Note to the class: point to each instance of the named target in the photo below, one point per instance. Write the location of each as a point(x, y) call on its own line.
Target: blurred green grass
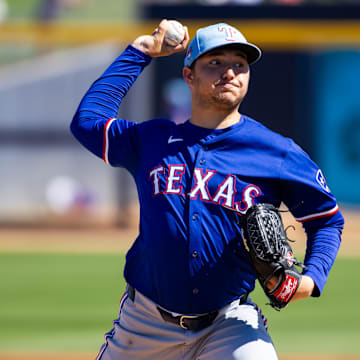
point(58, 302)
point(66, 302)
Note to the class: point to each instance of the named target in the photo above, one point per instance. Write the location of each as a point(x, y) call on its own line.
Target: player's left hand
point(155, 46)
point(304, 290)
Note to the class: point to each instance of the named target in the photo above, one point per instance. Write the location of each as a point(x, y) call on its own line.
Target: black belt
point(187, 322)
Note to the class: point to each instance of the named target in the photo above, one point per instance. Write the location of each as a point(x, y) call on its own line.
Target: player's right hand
point(155, 46)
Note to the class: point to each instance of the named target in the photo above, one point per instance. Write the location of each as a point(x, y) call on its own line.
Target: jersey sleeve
point(95, 123)
point(310, 200)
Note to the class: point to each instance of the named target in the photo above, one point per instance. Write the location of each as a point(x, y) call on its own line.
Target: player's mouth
point(227, 85)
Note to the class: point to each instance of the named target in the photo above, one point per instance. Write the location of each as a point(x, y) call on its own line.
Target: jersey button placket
point(202, 161)
point(195, 235)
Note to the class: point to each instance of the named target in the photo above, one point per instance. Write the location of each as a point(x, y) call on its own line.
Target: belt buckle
point(182, 318)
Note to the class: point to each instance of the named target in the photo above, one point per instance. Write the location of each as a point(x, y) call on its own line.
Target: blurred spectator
point(202, 2)
point(49, 9)
point(177, 100)
point(52, 9)
point(230, 2)
point(289, 2)
point(4, 9)
point(65, 195)
point(212, 2)
point(165, 2)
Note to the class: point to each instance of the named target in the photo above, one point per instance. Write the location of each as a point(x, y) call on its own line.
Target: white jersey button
point(195, 217)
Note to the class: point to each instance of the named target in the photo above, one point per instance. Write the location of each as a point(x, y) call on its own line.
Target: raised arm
point(94, 123)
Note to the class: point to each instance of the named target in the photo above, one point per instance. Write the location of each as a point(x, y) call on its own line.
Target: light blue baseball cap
point(214, 36)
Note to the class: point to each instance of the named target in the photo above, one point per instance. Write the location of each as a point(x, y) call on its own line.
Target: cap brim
point(252, 52)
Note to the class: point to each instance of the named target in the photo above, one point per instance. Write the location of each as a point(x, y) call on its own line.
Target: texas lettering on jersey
point(171, 178)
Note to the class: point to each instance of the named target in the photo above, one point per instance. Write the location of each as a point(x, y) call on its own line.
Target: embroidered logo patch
point(290, 258)
point(321, 180)
point(287, 289)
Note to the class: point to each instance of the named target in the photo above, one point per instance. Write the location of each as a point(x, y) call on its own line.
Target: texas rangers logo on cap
point(217, 35)
point(229, 32)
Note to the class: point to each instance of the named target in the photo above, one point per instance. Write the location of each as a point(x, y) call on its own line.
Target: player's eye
point(239, 63)
point(214, 62)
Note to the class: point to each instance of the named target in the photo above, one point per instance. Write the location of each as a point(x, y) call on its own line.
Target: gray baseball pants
point(238, 332)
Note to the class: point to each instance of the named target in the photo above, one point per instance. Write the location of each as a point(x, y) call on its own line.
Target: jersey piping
point(330, 212)
point(106, 140)
point(111, 333)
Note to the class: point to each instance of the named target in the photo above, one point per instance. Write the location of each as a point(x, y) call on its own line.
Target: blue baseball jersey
point(192, 181)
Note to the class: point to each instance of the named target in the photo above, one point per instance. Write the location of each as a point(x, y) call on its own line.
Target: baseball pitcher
point(209, 191)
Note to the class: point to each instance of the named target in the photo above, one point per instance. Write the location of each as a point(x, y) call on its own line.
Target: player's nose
point(228, 73)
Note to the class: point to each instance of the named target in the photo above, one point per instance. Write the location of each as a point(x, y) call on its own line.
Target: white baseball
point(175, 33)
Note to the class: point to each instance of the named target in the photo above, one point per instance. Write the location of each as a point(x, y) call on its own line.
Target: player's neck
point(214, 120)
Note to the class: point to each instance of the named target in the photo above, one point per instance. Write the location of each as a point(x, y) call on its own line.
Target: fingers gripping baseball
point(156, 44)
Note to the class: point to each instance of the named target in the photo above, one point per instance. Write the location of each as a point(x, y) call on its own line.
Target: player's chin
point(228, 98)
point(230, 92)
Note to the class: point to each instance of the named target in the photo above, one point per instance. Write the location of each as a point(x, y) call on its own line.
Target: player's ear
point(188, 75)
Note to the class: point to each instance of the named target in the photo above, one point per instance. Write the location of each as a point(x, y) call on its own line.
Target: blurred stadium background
point(62, 210)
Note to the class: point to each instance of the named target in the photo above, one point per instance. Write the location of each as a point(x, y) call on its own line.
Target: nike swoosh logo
point(172, 139)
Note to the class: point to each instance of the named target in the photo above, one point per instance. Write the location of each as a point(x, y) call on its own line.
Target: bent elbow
point(77, 127)
point(89, 132)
